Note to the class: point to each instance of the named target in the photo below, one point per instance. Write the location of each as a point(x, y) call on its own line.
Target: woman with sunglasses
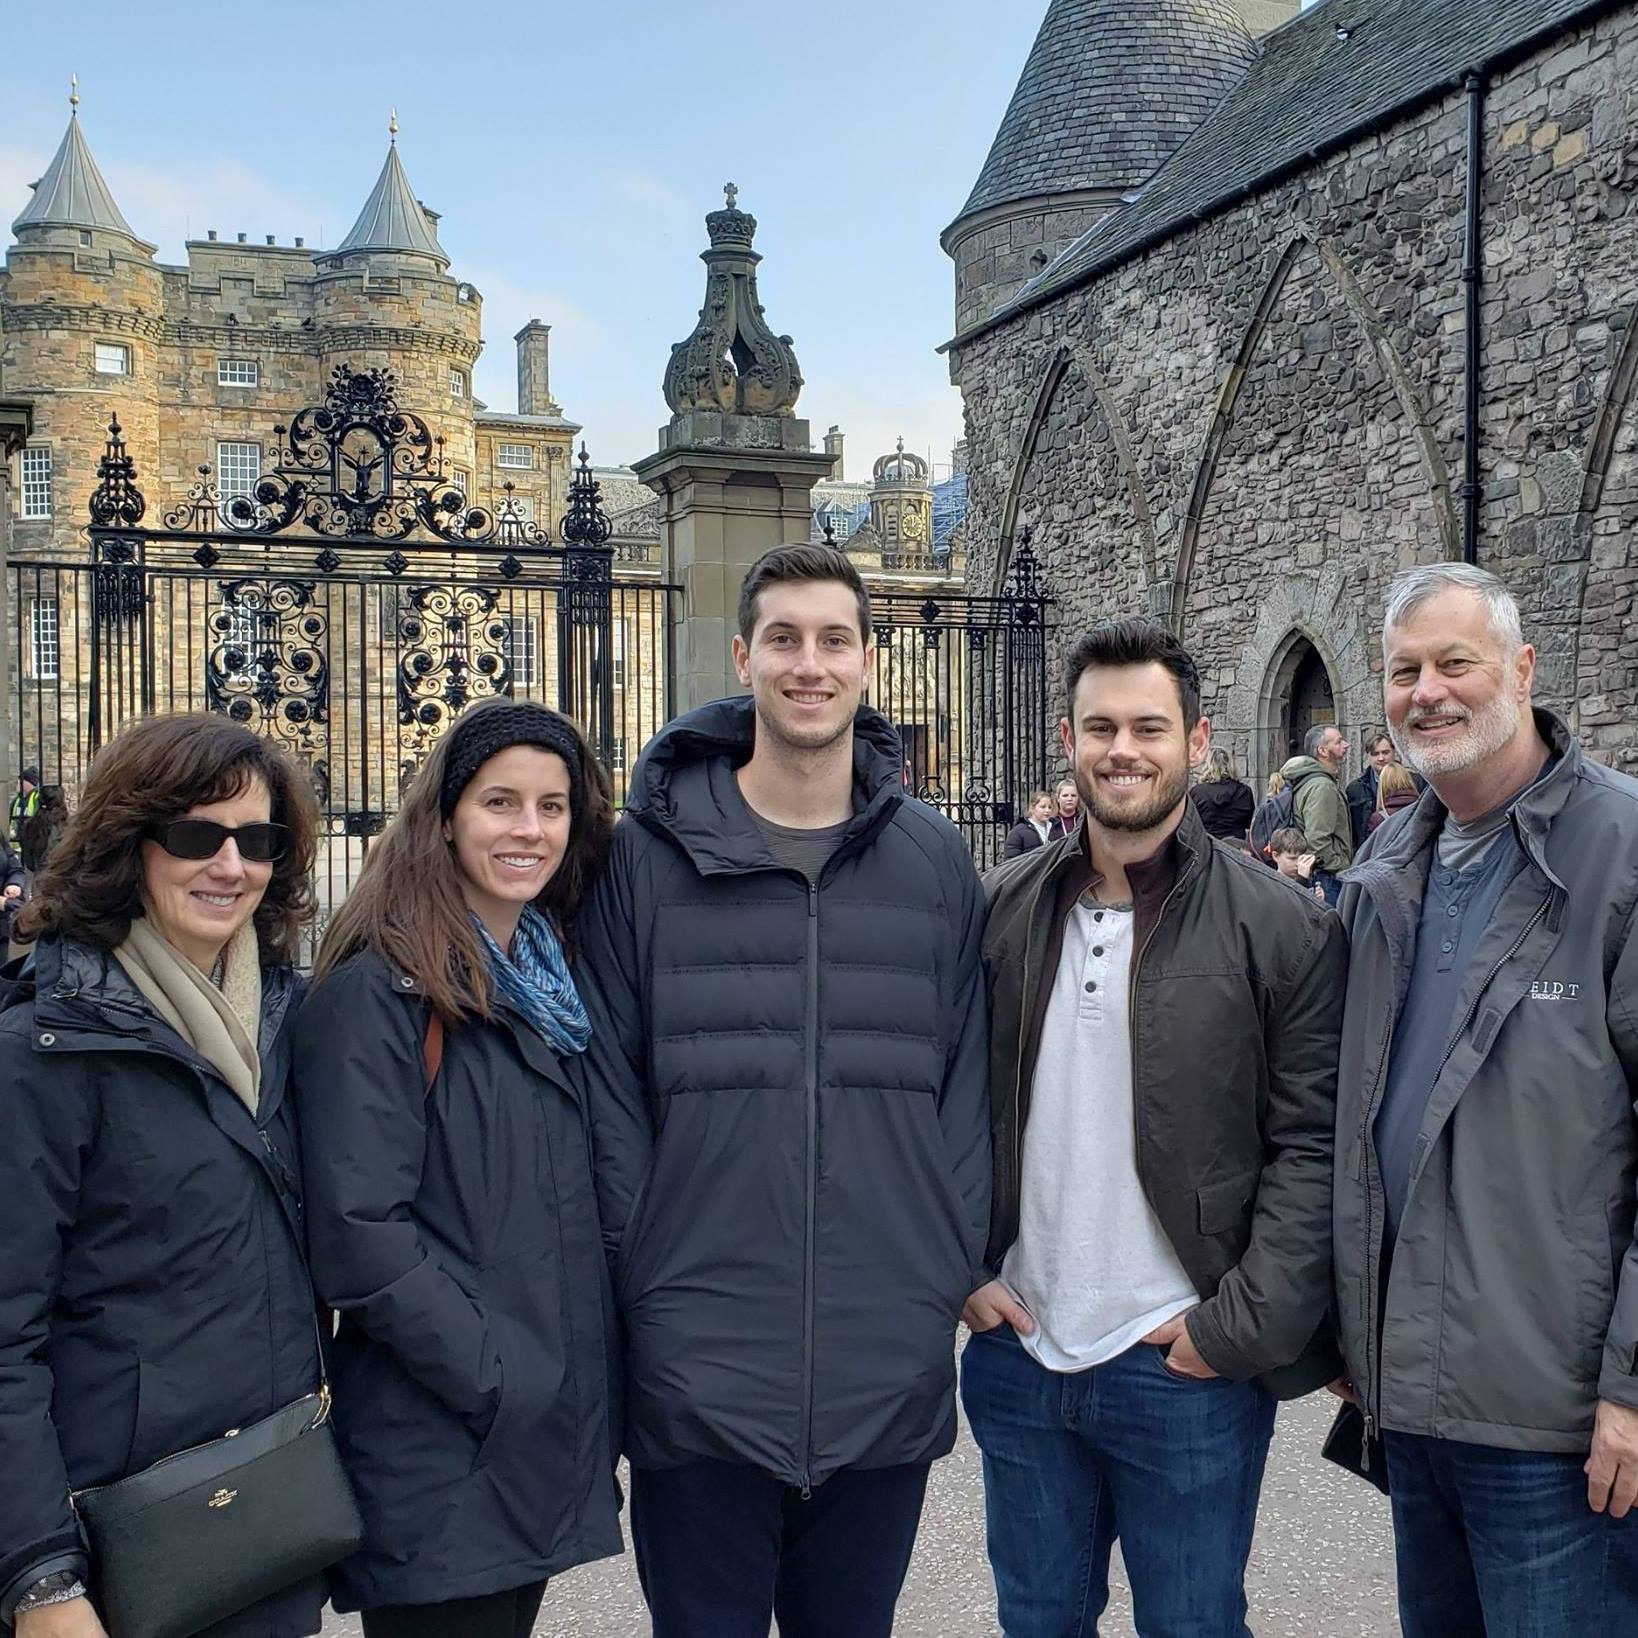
point(450, 1207)
point(152, 1287)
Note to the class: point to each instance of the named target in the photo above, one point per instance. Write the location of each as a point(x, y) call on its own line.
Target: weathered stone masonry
point(1248, 427)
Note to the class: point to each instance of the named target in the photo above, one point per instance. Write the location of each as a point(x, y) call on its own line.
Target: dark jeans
point(1502, 1544)
point(1127, 1450)
point(722, 1549)
point(494, 1615)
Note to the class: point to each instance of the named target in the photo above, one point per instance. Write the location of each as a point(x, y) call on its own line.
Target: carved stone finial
point(392, 124)
point(732, 361)
point(74, 91)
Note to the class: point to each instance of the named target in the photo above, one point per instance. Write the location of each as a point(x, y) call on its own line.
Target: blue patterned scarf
point(535, 979)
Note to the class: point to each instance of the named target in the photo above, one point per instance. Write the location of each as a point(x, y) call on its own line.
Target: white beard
point(1488, 730)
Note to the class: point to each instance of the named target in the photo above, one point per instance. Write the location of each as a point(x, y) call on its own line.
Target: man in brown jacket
point(1165, 1021)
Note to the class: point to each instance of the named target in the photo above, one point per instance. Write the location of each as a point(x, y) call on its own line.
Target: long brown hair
point(408, 905)
point(158, 769)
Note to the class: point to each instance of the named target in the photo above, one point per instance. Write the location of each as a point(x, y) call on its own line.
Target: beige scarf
point(222, 1026)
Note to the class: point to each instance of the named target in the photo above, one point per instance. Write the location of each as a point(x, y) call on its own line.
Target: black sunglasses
point(203, 839)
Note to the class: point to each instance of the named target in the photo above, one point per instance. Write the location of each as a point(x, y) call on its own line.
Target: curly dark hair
point(157, 769)
point(407, 904)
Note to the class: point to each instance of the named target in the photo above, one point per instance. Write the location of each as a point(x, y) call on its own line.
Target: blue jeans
point(1502, 1544)
point(1127, 1450)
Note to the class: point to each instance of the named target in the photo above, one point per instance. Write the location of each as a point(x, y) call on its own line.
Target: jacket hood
point(1300, 767)
point(683, 786)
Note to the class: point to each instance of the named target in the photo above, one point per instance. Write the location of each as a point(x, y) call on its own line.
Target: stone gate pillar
point(734, 469)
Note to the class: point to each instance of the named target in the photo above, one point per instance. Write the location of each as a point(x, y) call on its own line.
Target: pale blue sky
point(573, 152)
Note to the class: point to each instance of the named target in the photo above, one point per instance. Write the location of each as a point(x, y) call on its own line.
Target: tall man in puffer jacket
point(790, 1111)
point(1487, 1149)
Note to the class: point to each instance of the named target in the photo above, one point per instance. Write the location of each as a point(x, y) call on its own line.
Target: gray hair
point(1411, 588)
point(1315, 737)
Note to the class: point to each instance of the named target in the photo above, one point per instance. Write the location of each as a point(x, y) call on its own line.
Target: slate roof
point(1309, 93)
point(1110, 89)
point(392, 219)
point(72, 192)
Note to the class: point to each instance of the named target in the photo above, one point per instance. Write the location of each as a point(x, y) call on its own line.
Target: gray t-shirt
point(806, 850)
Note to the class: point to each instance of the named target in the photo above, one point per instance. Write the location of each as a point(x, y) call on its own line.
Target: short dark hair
point(1377, 736)
point(1134, 641)
point(785, 564)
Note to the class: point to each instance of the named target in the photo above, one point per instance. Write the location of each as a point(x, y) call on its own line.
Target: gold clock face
point(913, 527)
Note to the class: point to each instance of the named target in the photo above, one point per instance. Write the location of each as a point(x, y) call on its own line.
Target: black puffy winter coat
point(152, 1292)
point(790, 1114)
point(454, 1229)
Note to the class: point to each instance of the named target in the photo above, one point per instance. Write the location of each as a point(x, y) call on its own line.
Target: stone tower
point(383, 297)
point(1110, 90)
point(84, 315)
point(901, 509)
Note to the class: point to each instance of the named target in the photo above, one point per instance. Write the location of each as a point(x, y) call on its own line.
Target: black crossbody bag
point(212, 1530)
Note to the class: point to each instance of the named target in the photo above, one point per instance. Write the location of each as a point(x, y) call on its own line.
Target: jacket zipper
point(1372, 1273)
point(811, 1050)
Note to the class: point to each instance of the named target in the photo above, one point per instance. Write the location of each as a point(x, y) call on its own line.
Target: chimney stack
point(833, 448)
point(534, 369)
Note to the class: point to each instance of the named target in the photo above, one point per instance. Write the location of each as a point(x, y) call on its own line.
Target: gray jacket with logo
point(1513, 1302)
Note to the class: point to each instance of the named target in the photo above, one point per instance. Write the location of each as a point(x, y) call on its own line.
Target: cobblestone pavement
point(1321, 1567)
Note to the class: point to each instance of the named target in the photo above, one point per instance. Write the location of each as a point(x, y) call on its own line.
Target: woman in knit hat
point(450, 1209)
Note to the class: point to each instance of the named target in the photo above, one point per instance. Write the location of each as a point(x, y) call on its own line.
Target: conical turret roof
point(72, 192)
point(392, 219)
point(1110, 90)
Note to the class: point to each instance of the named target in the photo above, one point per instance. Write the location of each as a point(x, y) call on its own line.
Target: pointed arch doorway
point(1299, 693)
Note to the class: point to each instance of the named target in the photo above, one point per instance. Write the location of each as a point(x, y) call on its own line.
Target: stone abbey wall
point(1251, 426)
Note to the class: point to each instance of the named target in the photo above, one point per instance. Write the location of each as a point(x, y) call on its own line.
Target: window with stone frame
point(238, 372)
point(462, 479)
point(34, 499)
point(113, 358)
point(45, 645)
point(617, 657)
point(617, 755)
point(523, 650)
point(457, 383)
point(238, 468)
point(515, 455)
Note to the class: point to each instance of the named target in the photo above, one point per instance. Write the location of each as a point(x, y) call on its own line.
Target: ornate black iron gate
point(964, 679)
point(349, 608)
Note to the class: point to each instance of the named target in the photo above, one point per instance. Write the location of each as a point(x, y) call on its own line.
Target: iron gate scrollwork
point(349, 607)
point(964, 679)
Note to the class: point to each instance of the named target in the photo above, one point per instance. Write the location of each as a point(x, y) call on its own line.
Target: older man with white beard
point(1487, 1149)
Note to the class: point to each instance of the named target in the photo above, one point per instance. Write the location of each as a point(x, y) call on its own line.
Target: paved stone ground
point(1321, 1566)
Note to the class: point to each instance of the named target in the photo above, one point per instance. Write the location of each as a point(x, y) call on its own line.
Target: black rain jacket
point(152, 1293)
point(790, 1114)
point(454, 1230)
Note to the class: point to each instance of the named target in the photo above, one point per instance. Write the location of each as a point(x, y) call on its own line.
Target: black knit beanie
point(487, 733)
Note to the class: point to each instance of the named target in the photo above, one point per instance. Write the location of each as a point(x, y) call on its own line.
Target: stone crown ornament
point(732, 362)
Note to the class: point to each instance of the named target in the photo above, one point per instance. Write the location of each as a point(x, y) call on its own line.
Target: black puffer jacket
point(1225, 807)
point(455, 1232)
point(152, 1293)
point(790, 1113)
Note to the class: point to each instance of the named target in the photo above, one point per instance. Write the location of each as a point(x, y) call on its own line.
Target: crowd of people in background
point(694, 1138)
